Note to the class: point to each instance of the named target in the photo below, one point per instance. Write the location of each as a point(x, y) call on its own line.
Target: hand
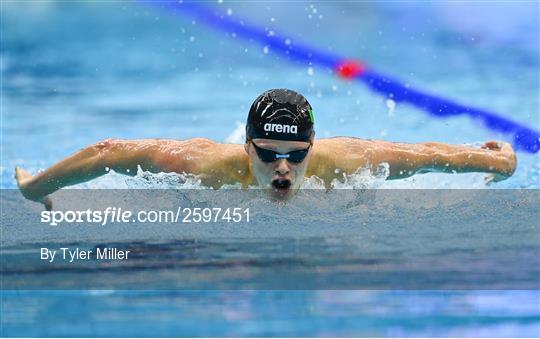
point(23, 179)
point(504, 153)
point(497, 146)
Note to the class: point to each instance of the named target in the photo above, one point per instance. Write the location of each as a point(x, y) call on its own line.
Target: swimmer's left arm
point(494, 157)
point(404, 160)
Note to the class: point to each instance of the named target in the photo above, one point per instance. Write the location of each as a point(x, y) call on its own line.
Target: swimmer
point(279, 152)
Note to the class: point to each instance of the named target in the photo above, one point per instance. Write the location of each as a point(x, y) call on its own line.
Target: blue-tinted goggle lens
point(267, 155)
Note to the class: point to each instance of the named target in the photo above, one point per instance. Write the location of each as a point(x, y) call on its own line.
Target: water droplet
point(391, 105)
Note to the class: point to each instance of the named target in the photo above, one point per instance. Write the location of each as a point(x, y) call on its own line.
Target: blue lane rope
point(523, 137)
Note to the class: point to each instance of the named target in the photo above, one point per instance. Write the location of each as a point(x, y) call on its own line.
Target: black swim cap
point(280, 114)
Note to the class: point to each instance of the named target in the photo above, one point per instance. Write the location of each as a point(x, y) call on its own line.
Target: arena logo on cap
point(293, 129)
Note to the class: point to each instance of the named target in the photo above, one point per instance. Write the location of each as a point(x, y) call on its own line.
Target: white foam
point(238, 136)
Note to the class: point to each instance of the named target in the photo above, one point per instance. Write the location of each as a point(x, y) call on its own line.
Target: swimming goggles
point(268, 156)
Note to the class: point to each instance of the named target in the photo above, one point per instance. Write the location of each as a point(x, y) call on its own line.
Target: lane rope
point(523, 138)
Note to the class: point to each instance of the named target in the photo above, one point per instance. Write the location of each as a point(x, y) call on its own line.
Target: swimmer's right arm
point(122, 156)
point(91, 162)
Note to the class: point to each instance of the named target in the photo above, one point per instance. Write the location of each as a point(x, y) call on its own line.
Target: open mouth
point(281, 185)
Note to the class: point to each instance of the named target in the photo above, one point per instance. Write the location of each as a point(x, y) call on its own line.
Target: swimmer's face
point(282, 177)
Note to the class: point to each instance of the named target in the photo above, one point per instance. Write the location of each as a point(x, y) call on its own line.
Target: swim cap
point(280, 114)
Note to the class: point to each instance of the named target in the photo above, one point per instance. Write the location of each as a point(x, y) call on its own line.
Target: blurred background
point(78, 72)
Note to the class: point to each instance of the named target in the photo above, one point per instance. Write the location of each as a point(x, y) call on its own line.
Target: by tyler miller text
point(77, 254)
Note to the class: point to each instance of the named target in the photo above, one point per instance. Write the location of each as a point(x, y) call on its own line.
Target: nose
point(282, 167)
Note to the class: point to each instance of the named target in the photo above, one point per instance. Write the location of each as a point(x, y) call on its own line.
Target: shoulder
point(340, 140)
point(341, 144)
point(196, 154)
point(344, 153)
point(190, 148)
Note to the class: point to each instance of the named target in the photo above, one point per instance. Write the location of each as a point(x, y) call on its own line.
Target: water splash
point(238, 135)
point(363, 178)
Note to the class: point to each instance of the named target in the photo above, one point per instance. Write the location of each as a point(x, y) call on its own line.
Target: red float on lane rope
point(349, 69)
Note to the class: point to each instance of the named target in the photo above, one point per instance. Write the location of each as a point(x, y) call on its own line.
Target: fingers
point(47, 202)
point(494, 177)
point(22, 176)
point(493, 145)
point(504, 160)
point(498, 146)
point(506, 147)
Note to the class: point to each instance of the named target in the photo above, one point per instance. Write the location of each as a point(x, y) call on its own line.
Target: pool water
point(74, 73)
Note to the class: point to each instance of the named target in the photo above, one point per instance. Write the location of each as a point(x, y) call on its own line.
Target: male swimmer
point(279, 152)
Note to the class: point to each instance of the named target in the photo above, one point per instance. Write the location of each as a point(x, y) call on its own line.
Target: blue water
point(75, 73)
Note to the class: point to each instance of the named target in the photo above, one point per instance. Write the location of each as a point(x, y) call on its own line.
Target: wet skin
point(282, 177)
point(217, 164)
